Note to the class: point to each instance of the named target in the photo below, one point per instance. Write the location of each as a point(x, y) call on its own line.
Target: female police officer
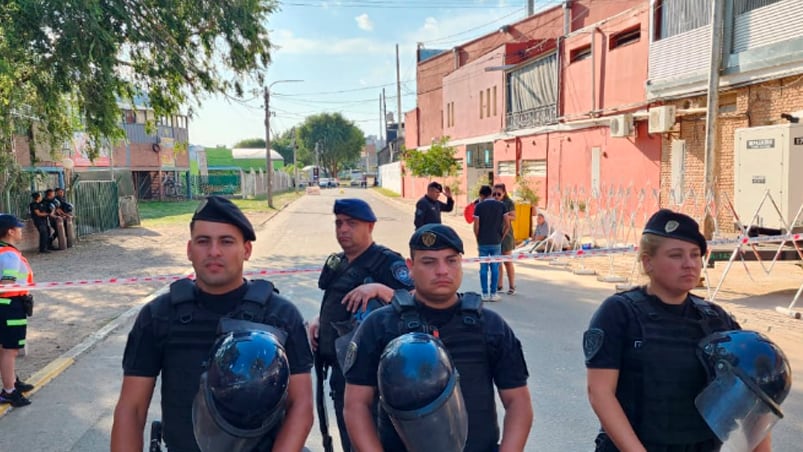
point(640, 348)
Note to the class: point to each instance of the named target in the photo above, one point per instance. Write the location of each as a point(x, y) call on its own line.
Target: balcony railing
point(534, 117)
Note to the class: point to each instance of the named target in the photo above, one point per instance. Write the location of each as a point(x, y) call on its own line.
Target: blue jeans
point(489, 250)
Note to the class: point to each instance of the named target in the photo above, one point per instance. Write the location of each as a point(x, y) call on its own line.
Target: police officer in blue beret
point(362, 275)
point(173, 336)
point(641, 347)
point(482, 346)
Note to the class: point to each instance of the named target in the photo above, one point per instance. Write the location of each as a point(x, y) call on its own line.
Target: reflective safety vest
point(15, 274)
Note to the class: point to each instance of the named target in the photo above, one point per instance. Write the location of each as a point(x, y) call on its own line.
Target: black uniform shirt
point(508, 368)
point(429, 210)
point(620, 327)
point(143, 356)
point(32, 207)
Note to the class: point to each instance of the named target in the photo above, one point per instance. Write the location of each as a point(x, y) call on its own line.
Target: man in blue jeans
point(490, 226)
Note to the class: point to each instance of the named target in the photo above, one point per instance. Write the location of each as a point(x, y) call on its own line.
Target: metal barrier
point(96, 206)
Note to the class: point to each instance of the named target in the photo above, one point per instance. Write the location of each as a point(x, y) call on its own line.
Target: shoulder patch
point(592, 342)
point(401, 273)
point(351, 356)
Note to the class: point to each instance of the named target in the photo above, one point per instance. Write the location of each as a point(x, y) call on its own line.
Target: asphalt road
point(549, 313)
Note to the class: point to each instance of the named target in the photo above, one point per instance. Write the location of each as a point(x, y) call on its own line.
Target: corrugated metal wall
point(768, 25)
point(680, 55)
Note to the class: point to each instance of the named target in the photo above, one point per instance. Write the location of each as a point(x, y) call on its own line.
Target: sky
point(344, 54)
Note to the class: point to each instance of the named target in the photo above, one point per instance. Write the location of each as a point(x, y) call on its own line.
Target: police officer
point(485, 351)
point(362, 272)
point(428, 209)
point(15, 306)
point(40, 217)
point(640, 347)
point(174, 333)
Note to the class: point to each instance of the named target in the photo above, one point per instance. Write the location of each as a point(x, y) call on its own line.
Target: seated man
point(545, 239)
point(541, 228)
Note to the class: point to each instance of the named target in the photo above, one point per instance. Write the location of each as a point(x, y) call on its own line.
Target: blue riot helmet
point(242, 392)
point(419, 389)
point(749, 378)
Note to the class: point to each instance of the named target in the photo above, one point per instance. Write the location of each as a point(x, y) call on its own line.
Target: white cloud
point(364, 22)
point(288, 43)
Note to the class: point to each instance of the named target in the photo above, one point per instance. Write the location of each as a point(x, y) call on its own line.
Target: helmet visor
point(736, 414)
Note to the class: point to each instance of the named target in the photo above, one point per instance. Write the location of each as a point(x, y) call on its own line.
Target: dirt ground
point(63, 318)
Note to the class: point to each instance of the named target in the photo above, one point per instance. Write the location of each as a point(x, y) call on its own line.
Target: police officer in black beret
point(353, 280)
point(174, 333)
point(484, 349)
point(641, 347)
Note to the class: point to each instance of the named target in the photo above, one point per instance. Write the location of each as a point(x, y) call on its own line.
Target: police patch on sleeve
point(351, 356)
point(401, 273)
point(592, 342)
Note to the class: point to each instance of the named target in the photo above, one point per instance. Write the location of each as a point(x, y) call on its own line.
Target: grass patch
point(386, 192)
point(174, 213)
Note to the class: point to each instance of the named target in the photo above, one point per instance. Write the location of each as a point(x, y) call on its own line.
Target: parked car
point(323, 182)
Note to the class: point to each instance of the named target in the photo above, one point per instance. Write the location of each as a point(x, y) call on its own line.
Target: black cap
point(8, 221)
point(435, 185)
point(435, 236)
point(221, 210)
point(674, 225)
point(355, 208)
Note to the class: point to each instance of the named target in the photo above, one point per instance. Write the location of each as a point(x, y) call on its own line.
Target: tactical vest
point(659, 386)
point(464, 339)
point(336, 283)
point(186, 332)
point(19, 276)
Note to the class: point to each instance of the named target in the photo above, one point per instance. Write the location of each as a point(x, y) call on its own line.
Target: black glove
point(27, 303)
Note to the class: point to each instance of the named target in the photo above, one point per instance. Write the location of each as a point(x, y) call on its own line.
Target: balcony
point(534, 117)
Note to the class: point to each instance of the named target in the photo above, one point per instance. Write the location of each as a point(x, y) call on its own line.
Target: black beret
point(355, 208)
point(435, 185)
point(674, 225)
point(435, 236)
point(221, 210)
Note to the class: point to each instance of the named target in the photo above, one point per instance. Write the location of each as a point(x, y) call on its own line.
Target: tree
point(60, 57)
point(437, 161)
point(251, 143)
point(339, 141)
point(283, 144)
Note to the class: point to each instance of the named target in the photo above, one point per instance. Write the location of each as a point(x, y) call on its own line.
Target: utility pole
point(398, 96)
point(381, 120)
point(295, 157)
point(712, 110)
point(530, 7)
point(269, 164)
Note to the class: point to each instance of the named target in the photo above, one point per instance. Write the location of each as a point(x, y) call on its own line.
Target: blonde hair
point(648, 246)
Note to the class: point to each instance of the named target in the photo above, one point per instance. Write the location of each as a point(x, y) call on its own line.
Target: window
point(452, 104)
point(533, 168)
point(488, 102)
point(480, 155)
point(494, 102)
point(506, 168)
point(481, 105)
point(623, 38)
point(678, 158)
point(580, 53)
point(727, 103)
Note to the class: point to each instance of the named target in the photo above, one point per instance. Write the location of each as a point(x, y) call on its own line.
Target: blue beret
point(435, 236)
point(674, 225)
point(355, 208)
point(221, 210)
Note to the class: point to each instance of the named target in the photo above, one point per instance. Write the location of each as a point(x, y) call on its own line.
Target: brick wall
point(755, 106)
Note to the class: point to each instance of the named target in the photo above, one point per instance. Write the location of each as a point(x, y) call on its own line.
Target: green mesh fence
point(96, 206)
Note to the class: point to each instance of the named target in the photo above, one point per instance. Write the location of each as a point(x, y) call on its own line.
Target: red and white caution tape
point(578, 253)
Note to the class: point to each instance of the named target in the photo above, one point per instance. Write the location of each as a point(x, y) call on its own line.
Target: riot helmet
point(242, 391)
point(419, 389)
point(749, 378)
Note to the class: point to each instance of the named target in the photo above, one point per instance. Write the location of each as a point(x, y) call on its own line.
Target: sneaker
point(494, 297)
point(511, 291)
point(21, 386)
point(15, 398)
point(486, 297)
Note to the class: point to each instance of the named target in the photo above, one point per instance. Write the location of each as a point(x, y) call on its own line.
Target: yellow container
point(522, 225)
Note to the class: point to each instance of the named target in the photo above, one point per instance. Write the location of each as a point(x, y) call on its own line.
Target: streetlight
point(269, 164)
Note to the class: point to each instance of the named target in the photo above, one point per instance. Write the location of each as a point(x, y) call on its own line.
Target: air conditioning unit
point(622, 125)
point(662, 119)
